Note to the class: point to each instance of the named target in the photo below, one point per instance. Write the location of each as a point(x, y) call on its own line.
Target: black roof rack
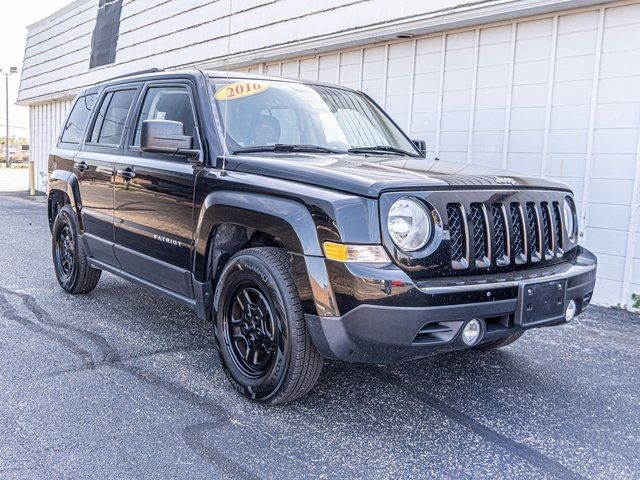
point(139, 72)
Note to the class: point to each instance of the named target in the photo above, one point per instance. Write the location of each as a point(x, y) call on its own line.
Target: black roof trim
point(140, 72)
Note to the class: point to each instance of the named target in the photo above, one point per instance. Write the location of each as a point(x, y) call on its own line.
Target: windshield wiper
point(381, 149)
point(283, 147)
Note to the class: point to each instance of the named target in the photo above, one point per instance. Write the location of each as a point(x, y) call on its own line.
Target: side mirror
point(165, 136)
point(421, 145)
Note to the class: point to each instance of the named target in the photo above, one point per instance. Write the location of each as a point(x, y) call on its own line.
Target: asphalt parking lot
point(120, 384)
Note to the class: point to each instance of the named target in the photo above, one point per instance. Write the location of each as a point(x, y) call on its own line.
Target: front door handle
point(127, 173)
point(82, 166)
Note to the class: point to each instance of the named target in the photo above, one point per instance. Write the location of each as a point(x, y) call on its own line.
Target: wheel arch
point(231, 221)
point(227, 215)
point(63, 188)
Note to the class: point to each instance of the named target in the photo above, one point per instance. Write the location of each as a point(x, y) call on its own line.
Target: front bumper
point(391, 320)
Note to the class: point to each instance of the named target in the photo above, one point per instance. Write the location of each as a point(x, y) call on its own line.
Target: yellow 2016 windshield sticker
point(237, 90)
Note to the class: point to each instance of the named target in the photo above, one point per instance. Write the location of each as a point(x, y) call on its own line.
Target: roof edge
point(58, 13)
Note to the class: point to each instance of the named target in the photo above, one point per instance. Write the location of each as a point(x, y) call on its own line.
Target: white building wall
point(555, 96)
point(45, 122)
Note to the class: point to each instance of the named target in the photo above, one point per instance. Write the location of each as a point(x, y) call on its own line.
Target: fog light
point(570, 312)
point(471, 332)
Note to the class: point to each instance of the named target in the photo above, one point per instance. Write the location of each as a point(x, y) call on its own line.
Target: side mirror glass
point(421, 145)
point(165, 136)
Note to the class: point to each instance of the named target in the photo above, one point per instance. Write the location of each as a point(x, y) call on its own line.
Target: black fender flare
point(67, 182)
point(289, 221)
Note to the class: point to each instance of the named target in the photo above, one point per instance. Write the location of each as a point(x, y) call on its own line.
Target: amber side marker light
point(355, 253)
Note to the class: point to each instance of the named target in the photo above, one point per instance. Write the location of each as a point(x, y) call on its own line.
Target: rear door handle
point(126, 173)
point(82, 166)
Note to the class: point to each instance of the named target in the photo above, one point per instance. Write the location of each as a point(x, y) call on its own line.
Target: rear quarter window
point(77, 120)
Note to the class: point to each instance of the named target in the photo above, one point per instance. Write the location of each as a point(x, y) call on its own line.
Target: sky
point(13, 35)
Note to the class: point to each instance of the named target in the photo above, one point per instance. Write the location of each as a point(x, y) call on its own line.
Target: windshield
point(287, 116)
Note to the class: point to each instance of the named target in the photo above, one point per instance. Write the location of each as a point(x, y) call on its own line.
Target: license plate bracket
point(541, 302)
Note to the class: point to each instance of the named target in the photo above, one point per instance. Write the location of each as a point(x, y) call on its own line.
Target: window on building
point(104, 40)
point(112, 117)
point(168, 103)
point(77, 119)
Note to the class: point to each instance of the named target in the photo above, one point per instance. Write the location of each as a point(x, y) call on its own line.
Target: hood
point(371, 176)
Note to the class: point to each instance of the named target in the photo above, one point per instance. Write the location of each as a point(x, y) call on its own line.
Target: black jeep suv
point(303, 222)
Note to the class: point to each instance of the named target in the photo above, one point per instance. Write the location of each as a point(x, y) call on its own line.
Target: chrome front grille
point(517, 235)
point(480, 230)
point(557, 221)
point(498, 234)
point(547, 228)
point(533, 224)
point(456, 232)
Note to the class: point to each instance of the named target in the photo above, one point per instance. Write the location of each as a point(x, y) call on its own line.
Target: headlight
point(570, 218)
point(409, 224)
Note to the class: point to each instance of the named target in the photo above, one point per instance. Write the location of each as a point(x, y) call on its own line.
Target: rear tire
point(73, 271)
point(263, 341)
point(501, 342)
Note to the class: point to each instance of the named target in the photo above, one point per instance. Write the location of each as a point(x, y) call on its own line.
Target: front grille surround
point(458, 236)
point(519, 234)
point(481, 237)
point(558, 220)
point(535, 237)
point(501, 238)
point(548, 232)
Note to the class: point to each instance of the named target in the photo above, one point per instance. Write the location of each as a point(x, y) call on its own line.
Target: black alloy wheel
point(65, 251)
point(250, 334)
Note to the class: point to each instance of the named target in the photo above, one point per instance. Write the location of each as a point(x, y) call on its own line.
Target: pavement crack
point(193, 437)
point(177, 391)
point(110, 362)
point(12, 314)
point(108, 353)
point(519, 449)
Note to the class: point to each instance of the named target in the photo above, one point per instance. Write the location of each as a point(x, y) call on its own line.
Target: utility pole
point(6, 100)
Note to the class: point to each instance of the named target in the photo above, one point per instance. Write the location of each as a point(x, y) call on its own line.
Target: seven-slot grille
point(500, 234)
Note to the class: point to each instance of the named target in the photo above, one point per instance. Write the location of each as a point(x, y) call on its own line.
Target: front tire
point(263, 341)
point(73, 271)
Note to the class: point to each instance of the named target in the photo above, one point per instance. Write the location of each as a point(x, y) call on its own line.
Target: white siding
point(45, 121)
point(177, 33)
point(523, 95)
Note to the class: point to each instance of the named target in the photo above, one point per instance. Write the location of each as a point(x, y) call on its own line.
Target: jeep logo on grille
point(504, 180)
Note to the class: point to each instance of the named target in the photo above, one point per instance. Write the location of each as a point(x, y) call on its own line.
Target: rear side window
point(112, 116)
point(77, 119)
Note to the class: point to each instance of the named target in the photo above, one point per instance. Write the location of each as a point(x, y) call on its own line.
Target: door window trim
point(96, 110)
point(179, 83)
